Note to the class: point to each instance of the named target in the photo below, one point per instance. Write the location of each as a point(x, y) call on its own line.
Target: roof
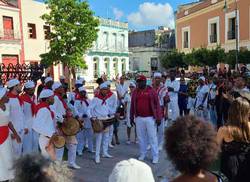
point(6, 3)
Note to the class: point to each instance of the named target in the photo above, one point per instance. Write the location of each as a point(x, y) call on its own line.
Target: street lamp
point(225, 8)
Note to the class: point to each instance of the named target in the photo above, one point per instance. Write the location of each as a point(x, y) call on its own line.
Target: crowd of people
point(48, 118)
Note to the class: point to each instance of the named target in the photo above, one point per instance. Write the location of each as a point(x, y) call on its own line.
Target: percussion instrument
point(70, 126)
point(99, 124)
point(58, 141)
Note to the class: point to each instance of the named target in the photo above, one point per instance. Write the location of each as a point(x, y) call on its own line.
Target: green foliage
point(74, 29)
point(173, 59)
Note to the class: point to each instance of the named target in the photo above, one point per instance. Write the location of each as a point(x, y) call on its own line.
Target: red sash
point(4, 133)
point(62, 100)
point(11, 95)
point(99, 96)
point(82, 99)
point(44, 105)
point(26, 98)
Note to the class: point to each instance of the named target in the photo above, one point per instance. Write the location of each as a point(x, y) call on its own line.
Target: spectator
point(32, 168)
point(191, 145)
point(131, 170)
point(234, 138)
point(183, 97)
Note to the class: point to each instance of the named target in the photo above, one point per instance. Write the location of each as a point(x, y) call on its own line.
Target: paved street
point(91, 172)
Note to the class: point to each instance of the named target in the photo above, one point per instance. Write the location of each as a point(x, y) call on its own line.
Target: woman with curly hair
point(234, 138)
point(191, 145)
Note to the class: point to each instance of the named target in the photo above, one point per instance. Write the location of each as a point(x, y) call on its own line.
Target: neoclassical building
point(109, 54)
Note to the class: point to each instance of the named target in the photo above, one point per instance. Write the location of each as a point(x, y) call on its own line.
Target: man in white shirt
point(200, 105)
point(99, 108)
point(211, 101)
point(44, 122)
point(30, 141)
point(121, 89)
point(48, 83)
point(173, 88)
point(16, 114)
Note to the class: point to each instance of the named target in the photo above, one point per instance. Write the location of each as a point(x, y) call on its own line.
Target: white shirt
point(58, 109)
point(27, 110)
point(5, 116)
point(127, 99)
point(200, 94)
point(176, 86)
point(17, 115)
point(121, 89)
point(112, 103)
point(212, 91)
point(99, 110)
point(43, 123)
point(81, 108)
point(163, 92)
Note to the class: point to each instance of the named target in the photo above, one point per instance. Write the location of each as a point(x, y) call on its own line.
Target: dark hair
point(99, 81)
point(191, 144)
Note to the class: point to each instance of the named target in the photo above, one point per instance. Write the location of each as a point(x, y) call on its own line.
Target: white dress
point(6, 155)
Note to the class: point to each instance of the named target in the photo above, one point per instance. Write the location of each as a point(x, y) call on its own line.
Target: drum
point(108, 122)
point(70, 127)
point(97, 125)
point(58, 141)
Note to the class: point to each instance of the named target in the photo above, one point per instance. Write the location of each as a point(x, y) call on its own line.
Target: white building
point(109, 55)
point(10, 36)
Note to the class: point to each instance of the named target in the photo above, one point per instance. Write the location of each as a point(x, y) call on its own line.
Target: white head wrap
point(132, 84)
point(78, 82)
point(48, 79)
point(157, 74)
point(56, 85)
point(29, 84)
point(104, 85)
point(131, 170)
point(13, 82)
point(46, 93)
point(82, 89)
point(202, 78)
point(3, 91)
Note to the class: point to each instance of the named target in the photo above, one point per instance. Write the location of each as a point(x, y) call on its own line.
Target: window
point(46, 30)
point(8, 27)
point(115, 40)
point(106, 40)
point(213, 36)
point(32, 31)
point(122, 42)
point(186, 37)
point(214, 30)
point(154, 64)
point(231, 28)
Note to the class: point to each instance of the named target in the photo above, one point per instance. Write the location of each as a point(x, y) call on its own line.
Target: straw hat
point(70, 127)
point(58, 141)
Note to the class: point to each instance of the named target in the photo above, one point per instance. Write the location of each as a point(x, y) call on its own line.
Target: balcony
point(231, 35)
point(185, 44)
point(9, 34)
point(213, 38)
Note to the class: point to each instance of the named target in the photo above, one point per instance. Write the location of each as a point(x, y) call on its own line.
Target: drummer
point(99, 108)
point(44, 124)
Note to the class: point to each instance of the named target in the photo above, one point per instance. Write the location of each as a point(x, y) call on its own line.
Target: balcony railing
point(231, 35)
point(213, 38)
point(8, 34)
point(186, 45)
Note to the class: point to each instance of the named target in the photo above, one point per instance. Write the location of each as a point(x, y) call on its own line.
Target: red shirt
point(143, 106)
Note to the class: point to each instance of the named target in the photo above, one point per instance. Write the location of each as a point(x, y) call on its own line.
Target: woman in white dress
point(6, 156)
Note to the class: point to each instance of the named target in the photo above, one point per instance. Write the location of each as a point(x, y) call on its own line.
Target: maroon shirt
point(143, 107)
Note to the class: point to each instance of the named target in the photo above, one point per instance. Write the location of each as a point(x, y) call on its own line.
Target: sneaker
point(111, 146)
point(141, 158)
point(155, 161)
point(128, 142)
point(107, 156)
point(97, 160)
point(74, 166)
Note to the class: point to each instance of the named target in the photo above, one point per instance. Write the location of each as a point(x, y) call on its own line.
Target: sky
point(140, 14)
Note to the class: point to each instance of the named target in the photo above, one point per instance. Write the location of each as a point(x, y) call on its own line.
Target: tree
point(173, 59)
point(74, 29)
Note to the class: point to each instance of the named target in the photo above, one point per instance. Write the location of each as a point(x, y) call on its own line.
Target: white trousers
point(160, 133)
point(59, 154)
point(173, 109)
point(102, 139)
point(86, 135)
point(111, 132)
point(17, 147)
point(43, 142)
point(146, 132)
point(71, 153)
point(30, 142)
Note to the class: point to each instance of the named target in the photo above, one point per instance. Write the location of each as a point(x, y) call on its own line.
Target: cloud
point(152, 14)
point(117, 13)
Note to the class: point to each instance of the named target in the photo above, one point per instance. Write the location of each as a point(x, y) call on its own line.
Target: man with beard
point(16, 115)
point(146, 112)
point(30, 141)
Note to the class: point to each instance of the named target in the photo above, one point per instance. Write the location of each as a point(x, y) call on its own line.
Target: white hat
point(12, 83)
point(78, 82)
point(82, 89)
point(157, 74)
point(202, 78)
point(56, 85)
point(108, 82)
point(104, 85)
point(132, 84)
point(29, 84)
point(62, 77)
point(48, 79)
point(3, 91)
point(131, 170)
point(46, 93)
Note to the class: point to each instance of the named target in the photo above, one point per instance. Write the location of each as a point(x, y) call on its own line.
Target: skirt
point(6, 161)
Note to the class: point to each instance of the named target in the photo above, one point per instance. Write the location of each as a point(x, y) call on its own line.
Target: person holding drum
point(44, 123)
point(99, 109)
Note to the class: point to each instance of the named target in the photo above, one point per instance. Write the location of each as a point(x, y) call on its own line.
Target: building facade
point(146, 47)
point(109, 55)
point(10, 35)
point(212, 23)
